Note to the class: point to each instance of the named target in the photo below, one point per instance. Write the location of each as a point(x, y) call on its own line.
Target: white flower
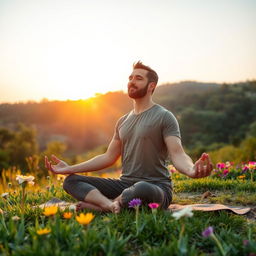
point(5, 195)
point(72, 207)
point(185, 212)
point(22, 178)
point(15, 218)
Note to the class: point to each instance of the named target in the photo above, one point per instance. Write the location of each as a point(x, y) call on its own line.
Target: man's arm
point(97, 163)
point(183, 163)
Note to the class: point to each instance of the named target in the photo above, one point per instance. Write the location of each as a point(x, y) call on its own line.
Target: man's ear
point(152, 86)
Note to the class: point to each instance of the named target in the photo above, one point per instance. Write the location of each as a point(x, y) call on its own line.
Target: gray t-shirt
point(144, 152)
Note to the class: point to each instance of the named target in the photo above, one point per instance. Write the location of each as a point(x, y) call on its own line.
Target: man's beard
point(137, 93)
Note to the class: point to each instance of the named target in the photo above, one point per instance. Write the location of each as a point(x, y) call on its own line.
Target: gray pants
point(79, 186)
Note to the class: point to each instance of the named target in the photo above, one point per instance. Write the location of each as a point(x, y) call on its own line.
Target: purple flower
point(245, 169)
point(134, 203)
point(207, 232)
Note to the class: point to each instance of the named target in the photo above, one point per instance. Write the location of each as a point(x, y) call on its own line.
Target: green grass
point(227, 197)
point(205, 184)
point(110, 234)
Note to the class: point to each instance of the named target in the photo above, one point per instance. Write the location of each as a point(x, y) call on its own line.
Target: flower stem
point(23, 199)
point(182, 229)
point(3, 223)
point(137, 219)
point(218, 244)
point(154, 215)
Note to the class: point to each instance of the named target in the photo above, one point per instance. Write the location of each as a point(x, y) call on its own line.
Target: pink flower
point(221, 165)
point(153, 205)
point(245, 242)
point(252, 165)
point(225, 172)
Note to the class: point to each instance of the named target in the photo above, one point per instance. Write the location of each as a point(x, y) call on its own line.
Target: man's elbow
point(111, 158)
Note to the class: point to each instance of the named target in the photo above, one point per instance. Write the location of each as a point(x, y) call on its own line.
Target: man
point(144, 138)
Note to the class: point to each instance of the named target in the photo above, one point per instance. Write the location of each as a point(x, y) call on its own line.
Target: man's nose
point(132, 81)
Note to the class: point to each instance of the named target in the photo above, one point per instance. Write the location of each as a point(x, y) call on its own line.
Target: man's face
point(138, 84)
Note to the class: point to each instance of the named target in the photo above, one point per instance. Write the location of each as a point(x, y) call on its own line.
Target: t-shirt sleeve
point(170, 125)
point(116, 133)
point(117, 126)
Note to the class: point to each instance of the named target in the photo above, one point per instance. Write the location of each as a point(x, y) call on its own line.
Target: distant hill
point(207, 113)
point(167, 93)
point(187, 87)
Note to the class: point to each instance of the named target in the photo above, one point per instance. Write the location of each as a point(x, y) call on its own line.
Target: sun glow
point(81, 75)
point(64, 49)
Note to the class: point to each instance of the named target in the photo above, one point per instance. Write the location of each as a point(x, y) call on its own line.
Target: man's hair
point(151, 75)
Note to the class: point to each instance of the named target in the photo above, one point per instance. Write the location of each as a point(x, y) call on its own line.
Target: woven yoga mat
point(56, 202)
point(211, 207)
point(172, 207)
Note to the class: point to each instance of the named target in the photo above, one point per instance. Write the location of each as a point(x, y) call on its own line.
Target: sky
point(72, 49)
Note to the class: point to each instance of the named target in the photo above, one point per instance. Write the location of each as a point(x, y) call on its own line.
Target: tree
point(22, 146)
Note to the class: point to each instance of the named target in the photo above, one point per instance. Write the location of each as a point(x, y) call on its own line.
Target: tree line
point(212, 117)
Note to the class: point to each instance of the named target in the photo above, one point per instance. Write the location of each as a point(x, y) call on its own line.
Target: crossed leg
point(94, 193)
point(115, 194)
point(94, 200)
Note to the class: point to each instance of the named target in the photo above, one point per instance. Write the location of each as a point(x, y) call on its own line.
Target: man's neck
point(142, 104)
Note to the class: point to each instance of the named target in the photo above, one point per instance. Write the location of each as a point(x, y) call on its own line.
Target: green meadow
point(27, 230)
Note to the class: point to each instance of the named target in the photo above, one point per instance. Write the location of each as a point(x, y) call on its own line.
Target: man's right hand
point(60, 167)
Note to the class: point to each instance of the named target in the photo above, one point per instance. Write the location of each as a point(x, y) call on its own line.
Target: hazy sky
point(71, 49)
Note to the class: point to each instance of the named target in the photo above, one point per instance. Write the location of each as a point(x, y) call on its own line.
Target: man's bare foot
point(83, 205)
point(115, 207)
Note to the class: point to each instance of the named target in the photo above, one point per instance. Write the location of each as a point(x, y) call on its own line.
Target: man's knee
point(142, 189)
point(69, 181)
point(146, 191)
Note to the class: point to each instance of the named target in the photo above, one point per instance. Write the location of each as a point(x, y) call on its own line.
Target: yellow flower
point(176, 176)
point(61, 177)
point(50, 210)
point(67, 215)
point(85, 219)
point(22, 178)
point(241, 177)
point(251, 166)
point(43, 231)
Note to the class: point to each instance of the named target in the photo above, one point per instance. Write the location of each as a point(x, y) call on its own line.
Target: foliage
point(245, 152)
point(18, 146)
point(209, 114)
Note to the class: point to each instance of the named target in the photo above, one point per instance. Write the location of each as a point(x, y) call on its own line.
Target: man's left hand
point(202, 167)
